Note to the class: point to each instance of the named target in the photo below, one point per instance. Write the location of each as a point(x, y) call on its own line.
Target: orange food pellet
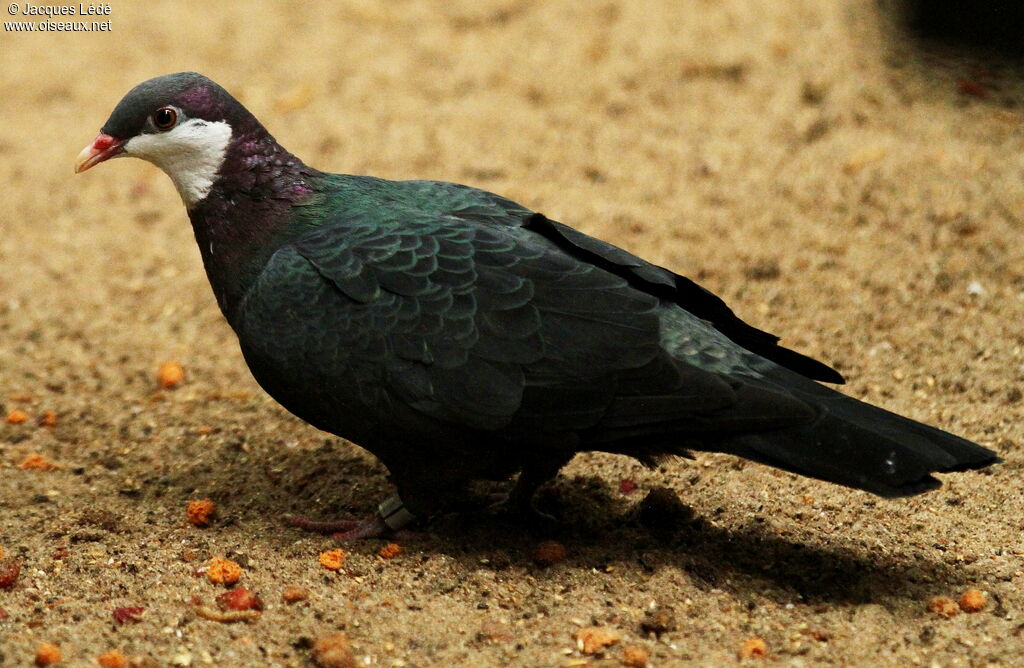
point(634, 657)
point(973, 600)
point(16, 416)
point(333, 560)
point(333, 651)
point(593, 639)
point(294, 594)
point(753, 648)
point(389, 551)
point(223, 571)
point(112, 659)
point(943, 606)
point(37, 462)
point(47, 419)
point(170, 375)
point(549, 553)
point(47, 654)
point(200, 513)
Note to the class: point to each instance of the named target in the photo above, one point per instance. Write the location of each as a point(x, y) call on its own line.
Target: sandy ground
point(848, 190)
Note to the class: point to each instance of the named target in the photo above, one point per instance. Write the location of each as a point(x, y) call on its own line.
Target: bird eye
point(164, 118)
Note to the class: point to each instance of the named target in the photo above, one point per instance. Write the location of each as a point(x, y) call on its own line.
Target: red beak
point(104, 147)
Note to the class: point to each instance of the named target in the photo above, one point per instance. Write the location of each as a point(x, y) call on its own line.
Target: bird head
point(182, 123)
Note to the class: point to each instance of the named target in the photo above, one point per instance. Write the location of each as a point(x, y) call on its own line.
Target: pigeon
point(459, 336)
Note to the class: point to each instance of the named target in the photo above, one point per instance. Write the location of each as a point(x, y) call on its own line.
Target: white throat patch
point(191, 154)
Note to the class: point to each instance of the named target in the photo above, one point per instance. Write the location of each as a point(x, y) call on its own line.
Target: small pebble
point(549, 553)
point(333, 651)
point(294, 594)
point(634, 657)
point(658, 620)
point(239, 598)
point(129, 614)
point(9, 571)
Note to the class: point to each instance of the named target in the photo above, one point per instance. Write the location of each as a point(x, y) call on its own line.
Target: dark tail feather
point(858, 445)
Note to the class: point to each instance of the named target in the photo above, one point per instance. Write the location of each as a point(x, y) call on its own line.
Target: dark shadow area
point(992, 27)
point(967, 52)
point(263, 480)
point(604, 528)
point(598, 527)
point(988, 24)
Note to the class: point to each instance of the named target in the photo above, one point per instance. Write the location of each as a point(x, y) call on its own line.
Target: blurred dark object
point(987, 24)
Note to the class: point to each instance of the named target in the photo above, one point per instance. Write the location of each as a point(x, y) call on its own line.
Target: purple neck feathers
point(248, 213)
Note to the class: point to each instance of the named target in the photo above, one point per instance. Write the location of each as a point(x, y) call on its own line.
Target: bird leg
point(390, 519)
point(520, 502)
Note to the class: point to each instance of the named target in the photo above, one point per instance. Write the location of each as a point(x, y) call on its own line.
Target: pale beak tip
point(102, 148)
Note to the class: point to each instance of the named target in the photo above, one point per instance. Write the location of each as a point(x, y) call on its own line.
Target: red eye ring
point(165, 118)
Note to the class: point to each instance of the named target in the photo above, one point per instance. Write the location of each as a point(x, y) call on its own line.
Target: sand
point(838, 184)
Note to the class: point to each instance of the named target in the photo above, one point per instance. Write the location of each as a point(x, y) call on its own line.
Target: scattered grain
point(47, 654)
point(170, 375)
point(16, 416)
point(753, 648)
point(593, 639)
point(226, 616)
point(112, 659)
point(36, 462)
point(389, 551)
point(943, 606)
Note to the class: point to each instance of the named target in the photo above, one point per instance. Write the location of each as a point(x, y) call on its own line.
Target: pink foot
point(389, 521)
point(372, 527)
